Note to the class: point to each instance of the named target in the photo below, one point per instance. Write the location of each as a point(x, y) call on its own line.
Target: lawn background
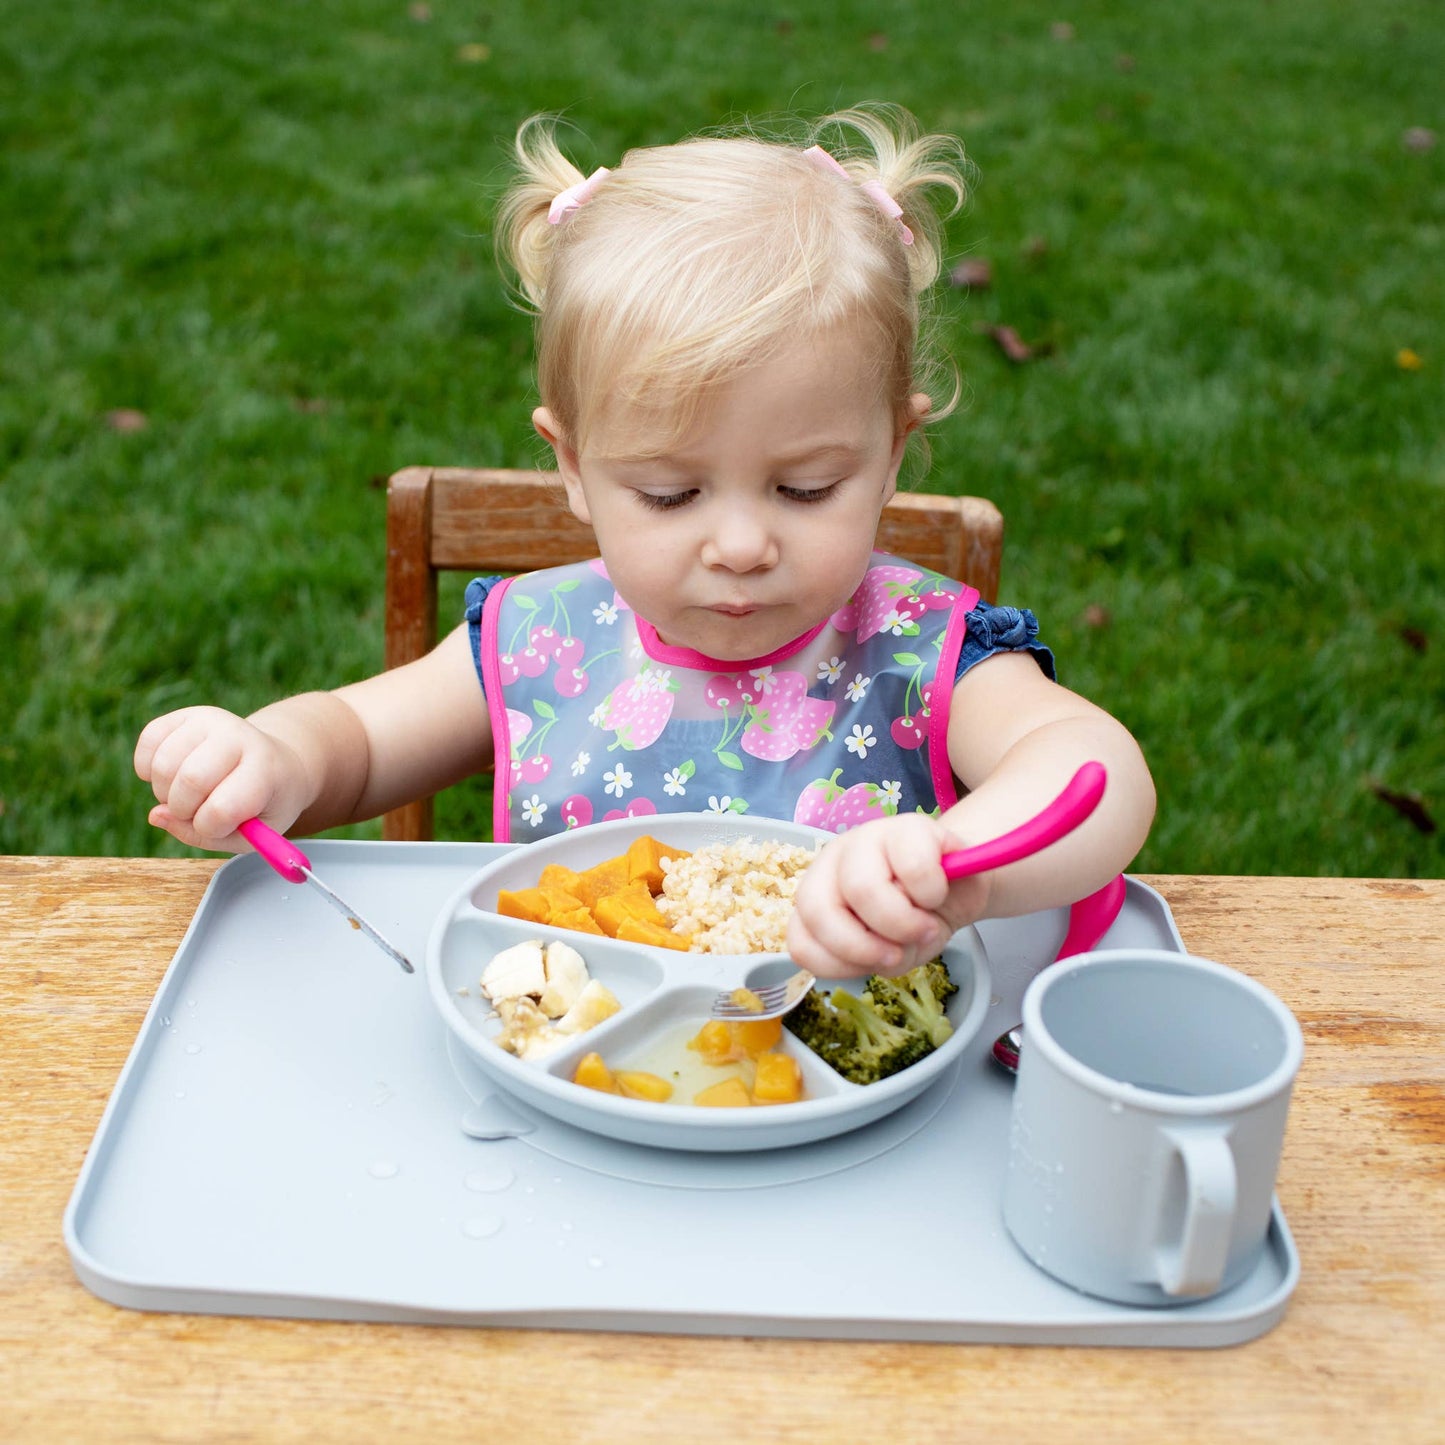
point(266, 230)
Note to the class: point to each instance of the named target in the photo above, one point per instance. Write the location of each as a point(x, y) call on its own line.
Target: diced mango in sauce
point(592, 1073)
point(715, 1042)
point(726, 1094)
point(779, 1079)
point(755, 1035)
point(638, 1084)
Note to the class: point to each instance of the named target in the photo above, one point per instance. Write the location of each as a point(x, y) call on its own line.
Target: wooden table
point(1359, 1355)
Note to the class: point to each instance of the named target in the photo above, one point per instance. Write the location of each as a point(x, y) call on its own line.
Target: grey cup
point(1148, 1121)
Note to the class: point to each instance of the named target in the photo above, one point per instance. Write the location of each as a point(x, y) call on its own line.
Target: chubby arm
point(320, 759)
point(876, 900)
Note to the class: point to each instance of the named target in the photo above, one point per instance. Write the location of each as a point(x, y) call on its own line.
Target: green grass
point(267, 229)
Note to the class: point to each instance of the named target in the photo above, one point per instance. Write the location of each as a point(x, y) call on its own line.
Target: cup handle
point(1195, 1265)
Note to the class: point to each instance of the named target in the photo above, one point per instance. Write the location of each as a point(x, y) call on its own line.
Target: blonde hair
point(691, 262)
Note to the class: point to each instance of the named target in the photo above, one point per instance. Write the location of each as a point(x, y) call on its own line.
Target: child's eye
point(809, 494)
point(665, 501)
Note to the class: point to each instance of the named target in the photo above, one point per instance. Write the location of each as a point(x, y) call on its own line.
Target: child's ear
point(919, 405)
point(571, 474)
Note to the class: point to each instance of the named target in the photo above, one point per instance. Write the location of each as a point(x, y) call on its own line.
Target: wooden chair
point(456, 519)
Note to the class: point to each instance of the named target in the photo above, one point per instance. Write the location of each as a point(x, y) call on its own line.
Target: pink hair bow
point(872, 189)
point(575, 197)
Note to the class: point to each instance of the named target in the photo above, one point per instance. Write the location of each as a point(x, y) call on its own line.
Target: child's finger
point(191, 771)
point(152, 735)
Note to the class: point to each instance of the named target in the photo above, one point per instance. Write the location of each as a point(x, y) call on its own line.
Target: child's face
point(759, 522)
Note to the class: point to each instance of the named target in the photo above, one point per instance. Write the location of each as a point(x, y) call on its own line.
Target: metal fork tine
point(771, 1002)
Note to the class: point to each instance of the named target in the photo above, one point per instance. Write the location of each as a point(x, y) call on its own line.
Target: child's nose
point(740, 541)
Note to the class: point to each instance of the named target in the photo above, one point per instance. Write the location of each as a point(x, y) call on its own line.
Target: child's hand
point(211, 770)
point(876, 900)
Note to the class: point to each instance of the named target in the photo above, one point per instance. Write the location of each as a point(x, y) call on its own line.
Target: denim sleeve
point(477, 590)
point(1002, 629)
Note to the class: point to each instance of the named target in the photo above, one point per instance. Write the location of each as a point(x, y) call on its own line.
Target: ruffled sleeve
point(476, 598)
point(1002, 629)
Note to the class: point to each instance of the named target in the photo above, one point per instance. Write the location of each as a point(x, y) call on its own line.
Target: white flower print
point(890, 791)
point(598, 715)
point(720, 805)
point(860, 739)
point(605, 614)
point(831, 670)
point(894, 622)
point(763, 677)
point(674, 783)
point(533, 810)
point(858, 688)
point(581, 763)
point(618, 781)
point(658, 680)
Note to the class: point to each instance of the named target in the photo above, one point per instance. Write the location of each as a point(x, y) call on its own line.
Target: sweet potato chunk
point(597, 882)
point(527, 903)
point(644, 861)
point(633, 930)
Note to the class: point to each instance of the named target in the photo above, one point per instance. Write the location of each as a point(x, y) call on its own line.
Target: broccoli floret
point(916, 999)
point(821, 1027)
point(894, 1023)
point(881, 1048)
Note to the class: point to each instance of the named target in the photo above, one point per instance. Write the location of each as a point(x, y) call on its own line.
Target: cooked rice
point(733, 897)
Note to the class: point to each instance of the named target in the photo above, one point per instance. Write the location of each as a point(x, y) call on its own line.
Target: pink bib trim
point(942, 704)
point(496, 708)
point(660, 651)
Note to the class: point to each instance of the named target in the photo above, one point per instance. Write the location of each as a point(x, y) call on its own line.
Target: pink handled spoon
point(1055, 820)
point(1089, 920)
point(1079, 798)
point(294, 866)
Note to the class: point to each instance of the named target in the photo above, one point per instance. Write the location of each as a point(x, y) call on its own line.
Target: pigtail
point(882, 143)
point(524, 238)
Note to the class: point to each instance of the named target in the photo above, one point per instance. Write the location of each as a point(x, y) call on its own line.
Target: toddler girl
point(728, 347)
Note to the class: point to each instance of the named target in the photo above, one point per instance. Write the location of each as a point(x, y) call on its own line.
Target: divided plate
point(664, 994)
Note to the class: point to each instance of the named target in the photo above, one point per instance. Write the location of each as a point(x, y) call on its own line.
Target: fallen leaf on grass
point(1418, 138)
point(126, 419)
point(419, 12)
point(1410, 806)
point(310, 405)
point(1061, 30)
point(1014, 346)
point(1124, 63)
point(975, 273)
point(1414, 638)
point(1097, 616)
point(474, 53)
point(1036, 246)
point(1408, 360)
point(878, 41)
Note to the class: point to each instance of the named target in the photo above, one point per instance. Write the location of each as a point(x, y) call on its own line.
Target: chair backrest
point(456, 519)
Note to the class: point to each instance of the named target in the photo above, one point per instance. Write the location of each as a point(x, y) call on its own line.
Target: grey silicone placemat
point(286, 1139)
